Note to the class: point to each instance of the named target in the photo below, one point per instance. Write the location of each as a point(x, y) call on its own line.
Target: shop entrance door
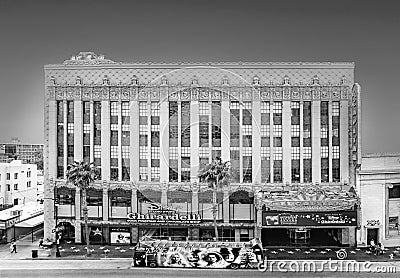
point(372, 234)
point(299, 237)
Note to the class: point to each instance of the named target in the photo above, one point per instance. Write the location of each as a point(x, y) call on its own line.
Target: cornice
point(226, 65)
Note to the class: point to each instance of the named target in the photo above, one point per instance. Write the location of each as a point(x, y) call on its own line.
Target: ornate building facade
point(288, 130)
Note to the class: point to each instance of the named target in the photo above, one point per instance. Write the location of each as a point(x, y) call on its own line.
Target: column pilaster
point(52, 147)
point(164, 196)
point(301, 142)
point(195, 198)
point(134, 200)
point(134, 140)
point(330, 133)
point(286, 142)
point(106, 201)
point(225, 205)
point(164, 140)
point(65, 136)
point(256, 138)
point(105, 140)
point(344, 141)
point(194, 140)
point(91, 134)
point(316, 140)
point(225, 130)
point(120, 141)
point(78, 132)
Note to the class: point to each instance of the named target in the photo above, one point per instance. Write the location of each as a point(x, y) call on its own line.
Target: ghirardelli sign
point(159, 214)
point(162, 218)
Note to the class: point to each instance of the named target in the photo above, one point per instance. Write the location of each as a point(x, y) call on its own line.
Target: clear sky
point(35, 33)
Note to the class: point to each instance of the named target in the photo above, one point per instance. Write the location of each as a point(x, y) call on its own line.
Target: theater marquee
point(340, 218)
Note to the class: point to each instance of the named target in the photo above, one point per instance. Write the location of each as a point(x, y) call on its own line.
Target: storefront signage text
point(160, 218)
point(341, 218)
point(160, 214)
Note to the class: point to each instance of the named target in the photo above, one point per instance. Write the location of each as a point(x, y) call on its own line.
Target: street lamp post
point(58, 255)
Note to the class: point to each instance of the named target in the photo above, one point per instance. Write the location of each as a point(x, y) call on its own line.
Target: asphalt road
point(173, 273)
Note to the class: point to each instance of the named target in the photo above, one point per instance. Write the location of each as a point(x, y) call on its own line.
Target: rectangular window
point(16, 186)
point(295, 153)
point(143, 152)
point(335, 152)
point(324, 151)
point(173, 152)
point(307, 152)
point(394, 192)
point(277, 130)
point(277, 107)
point(324, 170)
point(265, 109)
point(278, 153)
point(8, 176)
point(15, 176)
point(307, 170)
point(143, 109)
point(247, 169)
point(204, 108)
point(324, 131)
point(277, 171)
point(114, 108)
point(125, 108)
point(86, 128)
point(97, 151)
point(125, 152)
point(28, 184)
point(143, 174)
point(8, 187)
point(155, 173)
point(295, 130)
point(114, 151)
point(185, 124)
point(335, 108)
point(70, 128)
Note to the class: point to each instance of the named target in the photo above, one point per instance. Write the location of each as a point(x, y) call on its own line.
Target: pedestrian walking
point(41, 243)
point(13, 247)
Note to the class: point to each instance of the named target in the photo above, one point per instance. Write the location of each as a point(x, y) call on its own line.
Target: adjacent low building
point(379, 189)
point(21, 220)
point(18, 183)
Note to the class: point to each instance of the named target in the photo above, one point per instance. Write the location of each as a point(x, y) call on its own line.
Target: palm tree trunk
point(85, 218)
point(214, 199)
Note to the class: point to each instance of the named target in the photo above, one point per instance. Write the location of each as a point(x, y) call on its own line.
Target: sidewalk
point(24, 247)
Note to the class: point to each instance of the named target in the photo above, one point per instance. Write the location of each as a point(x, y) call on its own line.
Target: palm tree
point(81, 174)
point(215, 174)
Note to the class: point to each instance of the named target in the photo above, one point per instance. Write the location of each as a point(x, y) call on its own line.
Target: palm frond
point(81, 174)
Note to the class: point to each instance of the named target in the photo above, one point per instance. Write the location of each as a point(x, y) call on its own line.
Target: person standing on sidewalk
point(13, 247)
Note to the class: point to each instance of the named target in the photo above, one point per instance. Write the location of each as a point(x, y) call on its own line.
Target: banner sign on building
point(120, 235)
point(159, 215)
point(339, 218)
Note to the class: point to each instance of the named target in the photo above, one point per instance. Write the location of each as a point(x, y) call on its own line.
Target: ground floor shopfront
point(117, 233)
point(308, 236)
point(312, 228)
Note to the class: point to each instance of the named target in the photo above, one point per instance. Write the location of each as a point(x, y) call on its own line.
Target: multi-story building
point(150, 127)
point(379, 189)
point(18, 183)
point(28, 153)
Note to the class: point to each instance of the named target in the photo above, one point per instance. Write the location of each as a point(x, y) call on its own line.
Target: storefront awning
point(31, 223)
